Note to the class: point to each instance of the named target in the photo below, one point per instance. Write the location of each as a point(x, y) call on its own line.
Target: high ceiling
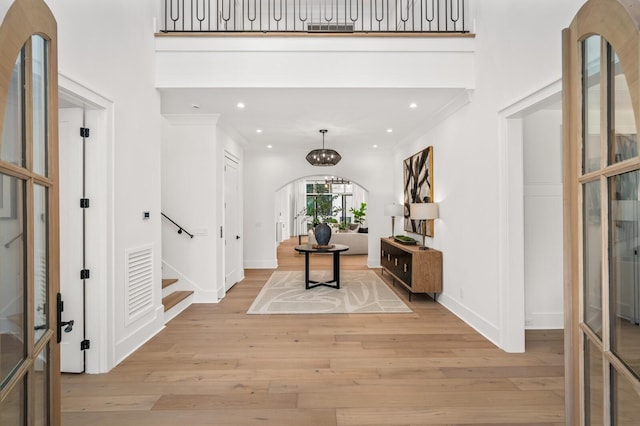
point(290, 119)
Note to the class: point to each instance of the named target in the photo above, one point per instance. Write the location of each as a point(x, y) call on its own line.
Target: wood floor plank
point(421, 399)
point(215, 365)
point(514, 414)
point(223, 400)
point(224, 417)
point(109, 403)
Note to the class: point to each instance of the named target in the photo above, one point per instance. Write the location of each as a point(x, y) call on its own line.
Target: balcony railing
point(316, 16)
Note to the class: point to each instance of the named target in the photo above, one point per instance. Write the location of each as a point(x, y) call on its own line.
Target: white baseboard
point(178, 308)
point(184, 283)
point(481, 325)
point(544, 321)
point(260, 264)
point(129, 344)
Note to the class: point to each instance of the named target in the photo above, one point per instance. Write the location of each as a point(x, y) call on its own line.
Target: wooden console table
point(419, 271)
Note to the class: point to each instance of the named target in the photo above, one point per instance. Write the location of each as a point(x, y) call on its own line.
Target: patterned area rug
point(361, 292)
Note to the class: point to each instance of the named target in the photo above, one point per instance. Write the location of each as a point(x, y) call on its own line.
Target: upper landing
point(311, 44)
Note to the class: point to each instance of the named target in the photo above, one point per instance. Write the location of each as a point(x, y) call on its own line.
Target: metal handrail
point(8, 243)
point(316, 16)
point(180, 228)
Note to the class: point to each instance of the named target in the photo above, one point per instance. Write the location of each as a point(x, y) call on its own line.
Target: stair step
point(166, 282)
point(174, 298)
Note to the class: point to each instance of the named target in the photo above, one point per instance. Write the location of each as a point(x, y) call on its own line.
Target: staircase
point(174, 299)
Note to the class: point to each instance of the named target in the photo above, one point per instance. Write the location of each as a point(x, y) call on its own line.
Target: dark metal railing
point(11, 241)
point(316, 16)
point(180, 228)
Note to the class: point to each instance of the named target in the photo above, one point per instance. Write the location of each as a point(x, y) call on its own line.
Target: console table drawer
point(420, 271)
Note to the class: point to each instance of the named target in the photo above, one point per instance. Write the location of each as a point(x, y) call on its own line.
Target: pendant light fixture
point(323, 157)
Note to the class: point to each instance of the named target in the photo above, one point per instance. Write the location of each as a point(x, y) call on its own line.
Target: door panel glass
point(41, 387)
point(12, 275)
point(41, 258)
point(592, 236)
point(39, 90)
point(625, 401)
point(13, 135)
point(13, 408)
point(591, 70)
point(624, 216)
point(623, 144)
point(593, 384)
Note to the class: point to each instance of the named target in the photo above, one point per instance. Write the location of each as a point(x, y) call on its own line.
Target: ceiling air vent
point(330, 28)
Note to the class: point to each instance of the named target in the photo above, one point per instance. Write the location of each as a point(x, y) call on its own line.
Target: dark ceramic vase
point(323, 234)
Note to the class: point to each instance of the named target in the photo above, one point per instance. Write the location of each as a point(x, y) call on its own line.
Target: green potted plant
point(359, 215)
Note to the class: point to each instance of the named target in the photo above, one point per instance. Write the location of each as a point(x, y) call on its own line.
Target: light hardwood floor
point(215, 365)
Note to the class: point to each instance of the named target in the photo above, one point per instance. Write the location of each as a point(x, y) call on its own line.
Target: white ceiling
point(291, 118)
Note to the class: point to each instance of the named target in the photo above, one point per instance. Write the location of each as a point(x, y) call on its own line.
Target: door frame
point(99, 320)
point(237, 247)
point(23, 19)
point(614, 23)
point(511, 218)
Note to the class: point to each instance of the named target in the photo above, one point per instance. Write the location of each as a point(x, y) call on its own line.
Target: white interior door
point(231, 223)
point(71, 237)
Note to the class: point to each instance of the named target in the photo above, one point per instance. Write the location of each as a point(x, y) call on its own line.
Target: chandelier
point(323, 157)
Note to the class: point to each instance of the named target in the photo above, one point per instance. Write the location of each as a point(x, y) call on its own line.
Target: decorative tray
point(404, 240)
point(322, 247)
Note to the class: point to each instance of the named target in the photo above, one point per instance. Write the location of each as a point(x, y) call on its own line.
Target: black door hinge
point(84, 203)
point(85, 344)
point(84, 132)
point(85, 274)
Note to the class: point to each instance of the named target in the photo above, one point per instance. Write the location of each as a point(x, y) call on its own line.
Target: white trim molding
point(511, 214)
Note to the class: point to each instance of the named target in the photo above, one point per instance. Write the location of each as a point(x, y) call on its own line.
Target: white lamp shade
point(423, 211)
point(393, 210)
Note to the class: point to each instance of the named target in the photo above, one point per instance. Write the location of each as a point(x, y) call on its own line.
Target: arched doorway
point(601, 113)
point(309, 199)
point(29, 230)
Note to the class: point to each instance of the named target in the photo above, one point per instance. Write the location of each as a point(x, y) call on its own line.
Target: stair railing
point(180, 228)
point(8, 244)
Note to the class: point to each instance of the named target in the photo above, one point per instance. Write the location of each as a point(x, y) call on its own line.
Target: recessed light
point(413, 105)
point(389, 130)
point(258, 130)
point(269, 146)
point(240, 105)
point(375, 146)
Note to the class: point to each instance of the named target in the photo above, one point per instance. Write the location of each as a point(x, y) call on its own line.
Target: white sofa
point(358, 242)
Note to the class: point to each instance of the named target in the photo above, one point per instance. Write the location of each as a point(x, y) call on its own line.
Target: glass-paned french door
point(28, 242)
point(609, 216)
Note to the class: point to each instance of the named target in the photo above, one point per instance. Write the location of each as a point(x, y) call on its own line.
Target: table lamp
point(393, 210)
point(423, 212)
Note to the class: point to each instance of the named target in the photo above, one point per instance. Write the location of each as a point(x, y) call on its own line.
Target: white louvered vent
point(139, 282)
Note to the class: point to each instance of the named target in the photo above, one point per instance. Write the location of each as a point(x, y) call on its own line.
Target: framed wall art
point(418, 188)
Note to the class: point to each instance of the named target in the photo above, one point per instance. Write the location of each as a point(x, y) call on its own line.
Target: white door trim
point(511, 214)
point(230, 233)
point(100, 293)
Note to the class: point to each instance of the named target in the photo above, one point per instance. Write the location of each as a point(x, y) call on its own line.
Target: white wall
point(190, 197)
point(108, 47)
point(311, 62)
point(266, 172)
point(543, 266)
point(518, 51)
